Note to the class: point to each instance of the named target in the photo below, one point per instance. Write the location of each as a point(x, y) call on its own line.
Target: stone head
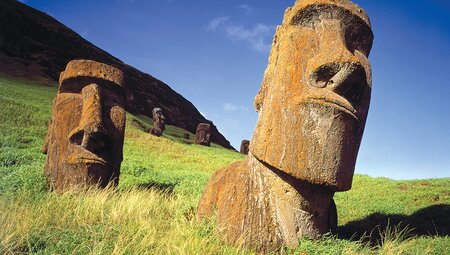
point(85, 137)
point(158, 118)
point(203, 135)
point(245, 144)
point(315, 95)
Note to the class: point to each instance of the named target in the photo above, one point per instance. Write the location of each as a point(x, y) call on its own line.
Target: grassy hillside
point(161, 183)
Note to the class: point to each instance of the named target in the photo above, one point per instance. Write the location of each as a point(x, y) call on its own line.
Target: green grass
point(161, 182)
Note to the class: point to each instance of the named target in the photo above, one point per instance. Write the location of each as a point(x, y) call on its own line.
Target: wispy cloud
point(257, 37)
point(246, 8)
point(216, 22)
point(229, 107)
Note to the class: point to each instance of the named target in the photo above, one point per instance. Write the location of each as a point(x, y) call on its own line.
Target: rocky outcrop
point(36, 46)
point(312, 107)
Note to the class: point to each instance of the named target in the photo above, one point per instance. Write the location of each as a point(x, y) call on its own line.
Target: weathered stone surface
point(312, 107)
point(244, 147)
point(263, 207)
point(315, 94)
point(203, 134)
point(159, 124)
point(85, 137)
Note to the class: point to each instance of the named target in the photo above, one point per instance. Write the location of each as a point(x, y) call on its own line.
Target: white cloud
point(246, 8)
point(229, 107)
point(216, 22)
point(258, 37)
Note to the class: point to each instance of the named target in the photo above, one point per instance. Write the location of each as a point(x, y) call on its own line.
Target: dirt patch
point(403, 187)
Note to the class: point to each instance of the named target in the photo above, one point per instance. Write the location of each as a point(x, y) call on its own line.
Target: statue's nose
point(336, 67)
point(344, 78)
point(91, 133)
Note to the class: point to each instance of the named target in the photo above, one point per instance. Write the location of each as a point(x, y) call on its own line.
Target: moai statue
point(159, 124)
point(312, 107)
point(85, 137)
point(203, 135)
point(244, 147)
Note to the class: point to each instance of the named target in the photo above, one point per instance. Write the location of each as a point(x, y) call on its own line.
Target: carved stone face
point(244, 147)
point(159, 119)
point(314, 99)
point(203, 134)
point(85, 138)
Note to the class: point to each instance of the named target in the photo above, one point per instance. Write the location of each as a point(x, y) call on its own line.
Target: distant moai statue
point(245, 144)
point(186, 136)
point(159, 123)
point(203, 134)
point(312, 106)
point(84, 142)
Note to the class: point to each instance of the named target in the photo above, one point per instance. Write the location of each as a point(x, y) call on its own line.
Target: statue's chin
point(88, 171)
point(331, 136)
point(318, 146)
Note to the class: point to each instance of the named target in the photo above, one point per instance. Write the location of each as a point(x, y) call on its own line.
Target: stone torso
point(263, 207)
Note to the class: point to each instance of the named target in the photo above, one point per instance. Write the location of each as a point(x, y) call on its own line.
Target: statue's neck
point(300, 209)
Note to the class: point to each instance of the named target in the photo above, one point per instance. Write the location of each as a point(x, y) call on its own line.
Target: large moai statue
point(244, 147)
point(85, 137)
point(159, 122)
point(203, 134)
point(312, 107)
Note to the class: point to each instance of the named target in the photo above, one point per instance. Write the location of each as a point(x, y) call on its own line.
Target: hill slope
point(37, 46)
point(160, 186)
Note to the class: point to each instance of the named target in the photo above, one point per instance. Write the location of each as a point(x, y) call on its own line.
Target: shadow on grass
point(429, 221)
point(167, 188)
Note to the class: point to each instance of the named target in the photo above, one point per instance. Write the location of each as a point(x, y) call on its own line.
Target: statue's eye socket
point(358, 37)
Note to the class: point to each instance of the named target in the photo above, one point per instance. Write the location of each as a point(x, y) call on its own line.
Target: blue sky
point(214, 53)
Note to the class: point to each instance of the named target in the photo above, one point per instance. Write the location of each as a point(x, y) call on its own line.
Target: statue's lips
point(336, 102)
point(87, 159)
point(93, 161)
